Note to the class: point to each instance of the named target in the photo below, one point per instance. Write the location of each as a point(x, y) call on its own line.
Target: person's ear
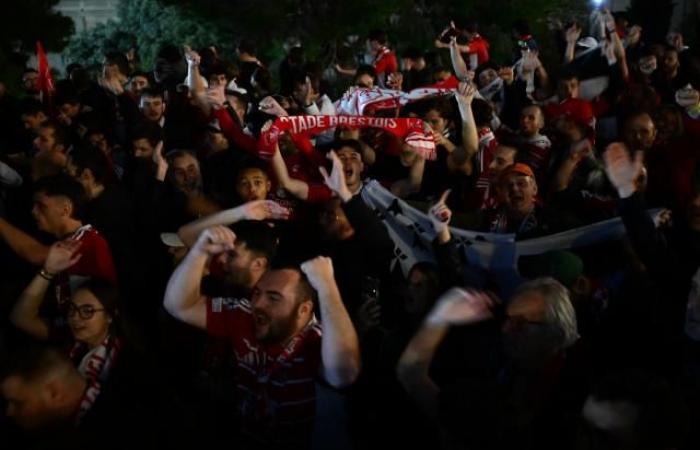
point(268, 185)
point(52, 391)
point(67, 208)
point(260, 263)
point(306, 307)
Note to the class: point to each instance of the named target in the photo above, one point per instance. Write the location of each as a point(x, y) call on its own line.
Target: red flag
point(45, 81)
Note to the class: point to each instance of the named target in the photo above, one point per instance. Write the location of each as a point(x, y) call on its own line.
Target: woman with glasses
point(91, 314)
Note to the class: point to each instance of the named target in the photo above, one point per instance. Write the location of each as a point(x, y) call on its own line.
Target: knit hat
point(561, 265)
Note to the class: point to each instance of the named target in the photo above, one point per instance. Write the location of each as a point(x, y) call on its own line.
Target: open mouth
point(261, 319)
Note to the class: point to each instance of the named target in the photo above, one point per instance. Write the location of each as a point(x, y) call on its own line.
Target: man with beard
point(502, 411)
point(277, 343)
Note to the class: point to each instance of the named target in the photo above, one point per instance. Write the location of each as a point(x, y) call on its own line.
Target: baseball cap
point(520, 169)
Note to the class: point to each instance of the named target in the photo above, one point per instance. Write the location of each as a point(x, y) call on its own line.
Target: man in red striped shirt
point(276, 339)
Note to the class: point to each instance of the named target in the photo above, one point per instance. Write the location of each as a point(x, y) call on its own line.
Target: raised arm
point(23, 244)
point(572, 34)
point(458, 64)
point(470, 137)
point(256, 210)
point(646, 239)
point(340, 348)
point(298, 188)
point(25, 314)
point(412, 183)
point(347, 72)
point(195, 81)
point(578, 152)
point(183, 298)
point(455, 307)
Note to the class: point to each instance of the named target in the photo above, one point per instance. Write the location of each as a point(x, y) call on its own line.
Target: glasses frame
point(83, 312)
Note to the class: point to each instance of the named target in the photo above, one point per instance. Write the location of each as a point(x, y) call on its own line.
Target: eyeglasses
point(84, 311)
point(520, 322)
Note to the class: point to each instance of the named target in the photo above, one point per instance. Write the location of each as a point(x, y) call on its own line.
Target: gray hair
point(559, 312)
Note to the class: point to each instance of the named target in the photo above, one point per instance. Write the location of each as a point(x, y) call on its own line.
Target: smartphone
point(370, 289)
point(447, 35)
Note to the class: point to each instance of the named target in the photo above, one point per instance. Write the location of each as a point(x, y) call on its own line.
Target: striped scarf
point(95, 370)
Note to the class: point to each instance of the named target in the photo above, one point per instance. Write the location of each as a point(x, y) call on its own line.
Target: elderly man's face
point(521, 191)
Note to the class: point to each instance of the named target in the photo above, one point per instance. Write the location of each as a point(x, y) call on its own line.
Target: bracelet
point(46, 275)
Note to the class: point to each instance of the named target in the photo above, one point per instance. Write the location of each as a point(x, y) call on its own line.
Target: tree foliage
point(319, 24)
point(22, 24)
point(144, 25)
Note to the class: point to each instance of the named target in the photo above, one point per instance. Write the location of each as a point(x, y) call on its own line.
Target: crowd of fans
point(180, 269)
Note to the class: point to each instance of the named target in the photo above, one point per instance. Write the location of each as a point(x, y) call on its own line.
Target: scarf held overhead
point(414, 132)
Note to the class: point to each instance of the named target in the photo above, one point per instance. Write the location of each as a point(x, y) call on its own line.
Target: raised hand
point(336, 180)
point(572, 34)
point(622, 171)
point(664, 219)
point(531, 61)
point(634, 36)
point(440, 214)
point(62, 255)
point(395, 81)
point(465, 93)
point(158, 157)
point(214, 241)
point(580, 150)
point(264, 210)
point(608, 51)
point(507, 74)
point(216, 96)
point(191, 56)
point(609, 20)
point(319, 271)
point(269, 105)
point(459, 306)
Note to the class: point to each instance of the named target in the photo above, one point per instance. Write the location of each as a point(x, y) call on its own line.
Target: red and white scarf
point(96, 370)
point(359, 101)
point(413, 131)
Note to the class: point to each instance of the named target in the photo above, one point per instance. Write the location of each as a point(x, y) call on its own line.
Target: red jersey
point(581, 111)
point(385, 62)
point(300, 168)
point(276, 394)
point(478, 52)
point(95, 262)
